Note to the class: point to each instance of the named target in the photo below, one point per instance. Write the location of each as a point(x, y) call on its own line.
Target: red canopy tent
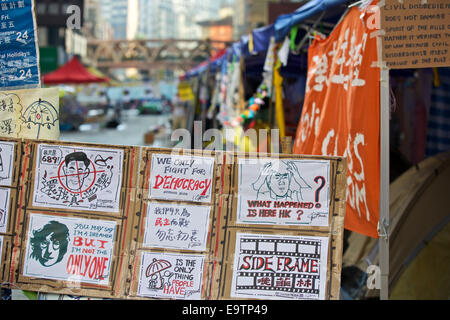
point(73, 72)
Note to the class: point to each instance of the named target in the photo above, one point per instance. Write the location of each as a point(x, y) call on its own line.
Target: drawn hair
point(60, 233)
point(294, 184)
point(77, 156)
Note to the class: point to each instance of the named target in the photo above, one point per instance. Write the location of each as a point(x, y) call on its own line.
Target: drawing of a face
point(76, 170)
point(49, 244)
point(279, 182)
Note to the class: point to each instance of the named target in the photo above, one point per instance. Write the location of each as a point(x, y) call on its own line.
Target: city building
point(252, 14)
point(220, 29)
point(115, 13)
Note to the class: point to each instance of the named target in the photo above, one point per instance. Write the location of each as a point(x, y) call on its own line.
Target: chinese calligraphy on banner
point(341, 113)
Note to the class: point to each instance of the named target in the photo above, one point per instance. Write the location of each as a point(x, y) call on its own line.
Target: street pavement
point(130, 132)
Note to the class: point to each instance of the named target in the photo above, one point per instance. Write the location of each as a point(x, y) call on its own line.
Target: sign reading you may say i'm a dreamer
point(142, 223)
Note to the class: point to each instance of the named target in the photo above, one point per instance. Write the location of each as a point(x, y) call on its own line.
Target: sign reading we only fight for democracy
point(182, 178)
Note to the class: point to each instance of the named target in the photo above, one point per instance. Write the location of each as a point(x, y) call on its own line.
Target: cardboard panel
point(225, 253)
point(175, 231)
point(170, 233)
point(415, 33)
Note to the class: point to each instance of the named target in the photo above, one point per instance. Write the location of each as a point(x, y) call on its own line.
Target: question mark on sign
point(317, 179)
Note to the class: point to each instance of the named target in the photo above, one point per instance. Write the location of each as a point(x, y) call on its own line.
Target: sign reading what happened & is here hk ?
point(19, 62)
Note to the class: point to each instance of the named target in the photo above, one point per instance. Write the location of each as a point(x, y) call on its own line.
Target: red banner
point(341, 113)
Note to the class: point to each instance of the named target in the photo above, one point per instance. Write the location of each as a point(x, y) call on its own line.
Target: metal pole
point(384, 182)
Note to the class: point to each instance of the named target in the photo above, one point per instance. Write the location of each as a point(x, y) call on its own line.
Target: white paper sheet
point(75, 250)
point(172, 276)
point(283, 192)
point(181, 177)
point(4, 208)
point(279, 267)
point(78, 178)
point(6, 163)
point(176, 226)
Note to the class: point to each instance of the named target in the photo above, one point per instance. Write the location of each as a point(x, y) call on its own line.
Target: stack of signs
point(70, 219)
point(283, 215)
point(141, 223)
point(173, 243)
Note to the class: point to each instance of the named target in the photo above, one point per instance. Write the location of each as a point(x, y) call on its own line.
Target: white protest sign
point(279, 267)
point(283, 192)
point(78, 178)
point(75, 250)
point(172, 276)
point(1, 249)
point(6, 162)
point(181, 177)
point(176, 226)
point(4, 208)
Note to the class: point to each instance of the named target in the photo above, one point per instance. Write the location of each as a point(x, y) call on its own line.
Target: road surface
point(129, 133)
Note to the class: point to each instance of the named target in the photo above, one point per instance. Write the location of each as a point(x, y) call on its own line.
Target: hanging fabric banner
point(341, 113)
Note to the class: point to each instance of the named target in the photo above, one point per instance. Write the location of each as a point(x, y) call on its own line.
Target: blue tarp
point(285, 22)
point(261, 36)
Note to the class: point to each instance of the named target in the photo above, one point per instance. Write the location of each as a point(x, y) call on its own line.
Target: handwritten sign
point(76, 250)
point(172, 276)
point(294, 192)
point(182, 178)
point(78, 178)
point(1, 249)
point(177, 226)
point(279, 267)
point(416, 33)
point(30, 114)
point(6, 162)
point(4, 208)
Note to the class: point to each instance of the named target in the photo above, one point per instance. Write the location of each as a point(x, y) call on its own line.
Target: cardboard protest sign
point(415, 33)
point(19, 55)
point(181, 177)
point(119, 242)
point(69, 249)
point(99, 235)
point(274, 260)
point(30, 114)
point(280, 267)
point(6, 162)
point(5, 195)
point(1, 249)
point(183, 227)
point(278, 191)
point(176, 276)
point(175, 232)
point(78, 178)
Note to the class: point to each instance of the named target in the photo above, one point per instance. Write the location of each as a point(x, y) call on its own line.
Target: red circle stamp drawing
point(82, 178)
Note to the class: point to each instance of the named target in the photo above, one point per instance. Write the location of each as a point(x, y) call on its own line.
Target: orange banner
point(341, 113)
